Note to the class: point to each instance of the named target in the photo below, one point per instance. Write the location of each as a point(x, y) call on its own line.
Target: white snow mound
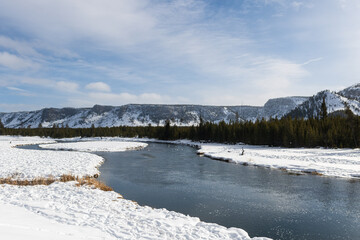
point(96, 146)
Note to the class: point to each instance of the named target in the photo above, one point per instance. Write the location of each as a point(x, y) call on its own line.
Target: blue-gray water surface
point(261, 201)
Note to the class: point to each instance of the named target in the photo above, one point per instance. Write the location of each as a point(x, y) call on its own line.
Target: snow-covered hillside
point(335, 102)
point(145, 114)
point(352, 92)
point(182, 115)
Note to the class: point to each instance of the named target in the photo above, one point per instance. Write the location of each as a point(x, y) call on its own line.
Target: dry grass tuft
point(36, 181)
point(68, 178)
point(89, 181)
point(94, 183)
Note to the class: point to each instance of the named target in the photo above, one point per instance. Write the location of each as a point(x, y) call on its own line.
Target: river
point(263, 202)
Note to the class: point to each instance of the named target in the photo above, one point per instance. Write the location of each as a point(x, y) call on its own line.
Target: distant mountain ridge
point(182, 115)
point(335, 102)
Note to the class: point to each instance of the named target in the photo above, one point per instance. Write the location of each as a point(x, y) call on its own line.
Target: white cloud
point(14, 62)
point(124, 98)
point(21, 47)
point(21, 92)
point(103, 98)
point(151, 98)
point(312, 60)
point(57, 85)
point(276, 78)
point(66, 86)
point(35, 81)
point(143, 37)
point(13, 107)
point(16, 89)
point(152, 31)
point(98, 86)
point(117, 21)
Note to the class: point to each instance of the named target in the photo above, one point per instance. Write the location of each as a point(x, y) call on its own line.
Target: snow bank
point(17, 223)
point(30, 164)
point(96, 146)
point(63, 211)
point(330, 162)
point(13, 141)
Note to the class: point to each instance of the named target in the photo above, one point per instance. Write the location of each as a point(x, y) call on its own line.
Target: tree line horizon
point(336, 131)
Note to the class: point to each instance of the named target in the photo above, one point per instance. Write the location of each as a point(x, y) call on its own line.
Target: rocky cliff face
point(278, 107)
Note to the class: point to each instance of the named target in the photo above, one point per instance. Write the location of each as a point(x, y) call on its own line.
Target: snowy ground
point(96, 146)
point(330, 162)
point(64, 211)
point(29, 164)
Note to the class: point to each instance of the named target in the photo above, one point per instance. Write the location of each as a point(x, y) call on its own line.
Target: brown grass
point(36, 181)
point(94, 183)
point(89, 181)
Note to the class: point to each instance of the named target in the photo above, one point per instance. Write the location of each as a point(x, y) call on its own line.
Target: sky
point(212, 52)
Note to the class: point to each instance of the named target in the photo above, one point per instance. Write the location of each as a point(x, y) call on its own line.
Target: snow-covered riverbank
point(65, 211)
point(329, 162)
point(29, 164)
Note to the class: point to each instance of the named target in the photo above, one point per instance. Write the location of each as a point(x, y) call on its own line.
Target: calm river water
point(261, 201)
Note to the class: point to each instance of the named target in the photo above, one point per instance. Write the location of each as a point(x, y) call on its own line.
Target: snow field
point(29, 164)
point(17, 223)
point(343, 163)
point(96, 146)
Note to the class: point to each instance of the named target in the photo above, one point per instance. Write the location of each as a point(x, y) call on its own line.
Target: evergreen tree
point(2, 130)
point(167, 130)
point(323, 110)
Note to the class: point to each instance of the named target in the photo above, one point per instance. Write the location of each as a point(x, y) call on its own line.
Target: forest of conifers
point(326, 131)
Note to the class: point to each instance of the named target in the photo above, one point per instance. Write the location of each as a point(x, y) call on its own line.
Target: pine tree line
point(326, 131)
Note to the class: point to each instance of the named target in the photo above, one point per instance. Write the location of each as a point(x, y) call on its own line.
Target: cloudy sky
point(215, 52)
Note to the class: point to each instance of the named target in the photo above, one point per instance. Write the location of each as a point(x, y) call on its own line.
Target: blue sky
point(225, 52)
